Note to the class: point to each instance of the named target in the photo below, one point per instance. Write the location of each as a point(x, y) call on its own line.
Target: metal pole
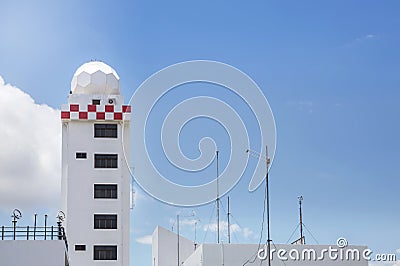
point(177, 225)
point(267, 162)
point(267, 188)
point(229, 223)
point(217, 199)
point(34, 227)
point(59, 230)
point(14, 225)
point(45, 226)
point(301, 221)
point(195, 235)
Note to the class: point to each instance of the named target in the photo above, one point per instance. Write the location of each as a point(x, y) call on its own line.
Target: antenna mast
point(267, 188)
point(267, 162)
point(177, 225)
point(217, 152)
point(302, 240)
point(229, 223)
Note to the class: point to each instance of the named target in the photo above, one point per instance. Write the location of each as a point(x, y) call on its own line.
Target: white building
point(165, 253)
point(95, 176)
point(33, 252)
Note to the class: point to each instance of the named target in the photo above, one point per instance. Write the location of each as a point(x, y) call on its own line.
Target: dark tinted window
point(81, 155)
point(105, 253)
point(105, 191)
point(106, 161)
point(105, 131)
point(96, 102)
point(80, 247)
point(105, 221)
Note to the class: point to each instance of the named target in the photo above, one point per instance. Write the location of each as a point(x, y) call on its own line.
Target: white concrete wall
point(165, 248)
point(195, 259)
point(32, 253)
point(239, 254)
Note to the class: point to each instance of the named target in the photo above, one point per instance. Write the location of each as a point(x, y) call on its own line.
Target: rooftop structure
point(165, 253)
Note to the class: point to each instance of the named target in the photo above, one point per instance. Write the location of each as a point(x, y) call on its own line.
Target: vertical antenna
point(16, 215)
point(229, 223)
point(217, 152)
point(302, 240)
point(45, 226)
point(34, 227)
point(195, 235)
point(267, 162)
point(267, 188)
point(177, 226)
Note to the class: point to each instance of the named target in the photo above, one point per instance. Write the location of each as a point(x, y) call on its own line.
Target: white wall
point(165, 248)
point(239, 254)
point(32, 253)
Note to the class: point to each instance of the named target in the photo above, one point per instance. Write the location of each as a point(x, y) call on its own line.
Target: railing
point(33, 233)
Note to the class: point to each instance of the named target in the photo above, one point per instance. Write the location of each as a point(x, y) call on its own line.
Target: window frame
point(105, 191)
point(81, 155)
point(102, 160)
point(105, 252)
point(96, 101)
point(105, 130)
point(80, 247)
point(105, 221)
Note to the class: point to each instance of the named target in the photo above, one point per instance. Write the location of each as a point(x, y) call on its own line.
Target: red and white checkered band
point(95, 112)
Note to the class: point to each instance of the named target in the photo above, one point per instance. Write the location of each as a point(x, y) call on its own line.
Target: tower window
point(105, 221)
point(105, 131)
point(106, 161)
point(105, 253)
point(81, 155)
point(105, 191)
point(80, 247)
point(96, 102)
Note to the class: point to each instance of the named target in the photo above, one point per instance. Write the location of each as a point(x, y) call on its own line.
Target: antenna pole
point(267, 191)
point(229, 223)
point(195, 235)
point(34, 227)
point(301, 221)
point(177, 226)
point(267, 162)
point(217, 152)
point(45, 226)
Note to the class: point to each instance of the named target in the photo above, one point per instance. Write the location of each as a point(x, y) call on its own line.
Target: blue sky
point(329, 69)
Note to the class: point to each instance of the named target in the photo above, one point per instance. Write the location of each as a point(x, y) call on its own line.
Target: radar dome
point(95, 78)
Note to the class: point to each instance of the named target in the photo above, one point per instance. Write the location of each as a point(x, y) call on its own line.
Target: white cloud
point(146, 240)
point(304, 106)
point(30, 145)
point(188, 222)
point(366, 37)
point(246, 232)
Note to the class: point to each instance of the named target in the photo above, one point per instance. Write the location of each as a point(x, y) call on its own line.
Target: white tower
point(95, 175)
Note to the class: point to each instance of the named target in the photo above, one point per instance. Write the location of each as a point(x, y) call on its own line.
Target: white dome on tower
point(95, 78)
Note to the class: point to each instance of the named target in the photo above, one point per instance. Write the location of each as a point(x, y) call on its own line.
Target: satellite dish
point(16, 214)
point(61, 216)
